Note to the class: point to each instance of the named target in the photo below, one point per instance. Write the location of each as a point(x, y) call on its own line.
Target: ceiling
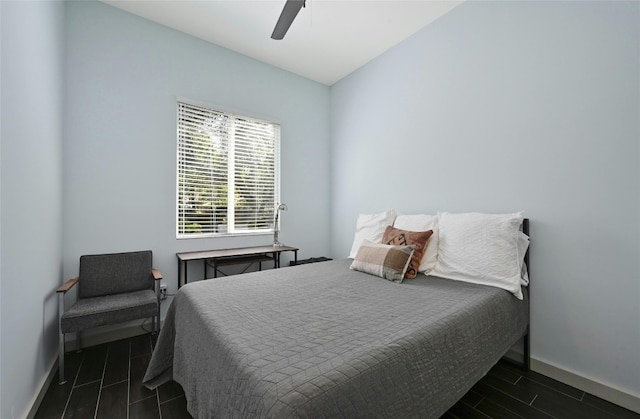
point(328, 39)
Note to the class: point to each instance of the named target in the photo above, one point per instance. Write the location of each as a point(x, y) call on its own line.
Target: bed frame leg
point(526, 361)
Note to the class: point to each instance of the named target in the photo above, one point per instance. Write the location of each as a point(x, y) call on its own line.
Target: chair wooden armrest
point(68, 285)
point(156, 274)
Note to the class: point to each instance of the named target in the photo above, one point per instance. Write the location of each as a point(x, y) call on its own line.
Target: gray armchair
point(112, 288)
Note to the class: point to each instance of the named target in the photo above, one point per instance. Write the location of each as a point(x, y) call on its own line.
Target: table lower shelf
point(238, 260)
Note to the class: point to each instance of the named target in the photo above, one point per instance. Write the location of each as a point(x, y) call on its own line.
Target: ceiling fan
point(289, 13)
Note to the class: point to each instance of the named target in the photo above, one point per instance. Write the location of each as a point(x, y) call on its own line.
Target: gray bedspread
point(321, 340)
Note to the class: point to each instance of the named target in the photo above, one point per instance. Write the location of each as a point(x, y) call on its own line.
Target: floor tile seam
point(505, 393)
point(148, 351)
point(87, 383)
point(131, 358)
point(171, 399)
point(104, 370)
point(462, 402)
point(73, 386)
point(606, 412)
point(556, 417)
point(475, 409)
point(159, 404)
point(545, 412)
point(521, 401)
point(501, 406)
point(558, 391)
point(580, 400)
point(505, 379)
point(143, 399)
point(113, 384)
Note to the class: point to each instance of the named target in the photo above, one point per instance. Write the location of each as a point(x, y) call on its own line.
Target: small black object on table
point(310, 260)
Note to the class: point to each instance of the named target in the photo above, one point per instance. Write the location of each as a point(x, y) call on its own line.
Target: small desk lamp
point(276, 224)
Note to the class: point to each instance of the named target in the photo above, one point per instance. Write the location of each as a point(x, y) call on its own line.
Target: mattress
point(321, 340)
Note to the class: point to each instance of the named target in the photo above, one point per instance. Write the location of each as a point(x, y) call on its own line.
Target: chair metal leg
point(61, 379)
point(526, 362)
point(156, 320)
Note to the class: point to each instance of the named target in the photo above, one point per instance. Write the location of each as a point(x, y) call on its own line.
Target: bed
point(324, 340)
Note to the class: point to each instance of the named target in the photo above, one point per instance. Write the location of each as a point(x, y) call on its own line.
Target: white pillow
point(422, 222)
point(371, 227)
point(481, 249)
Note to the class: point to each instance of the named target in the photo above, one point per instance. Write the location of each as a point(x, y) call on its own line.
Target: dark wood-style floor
point(105, 381)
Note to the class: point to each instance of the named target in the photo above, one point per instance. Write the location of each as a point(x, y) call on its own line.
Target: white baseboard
point(604, 391)
point(43, 390)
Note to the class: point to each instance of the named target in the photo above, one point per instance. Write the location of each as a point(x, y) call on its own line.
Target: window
point(228, 173)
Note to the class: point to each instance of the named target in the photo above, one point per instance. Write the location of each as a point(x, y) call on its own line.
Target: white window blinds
point(228, 172)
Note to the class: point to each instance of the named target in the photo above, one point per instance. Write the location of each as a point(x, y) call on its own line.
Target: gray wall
point(31, 197)
point(124, 75)
point(109, 183)
point(506, 106)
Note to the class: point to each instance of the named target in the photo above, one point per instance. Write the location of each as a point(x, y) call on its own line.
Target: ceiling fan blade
point(289, 13)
